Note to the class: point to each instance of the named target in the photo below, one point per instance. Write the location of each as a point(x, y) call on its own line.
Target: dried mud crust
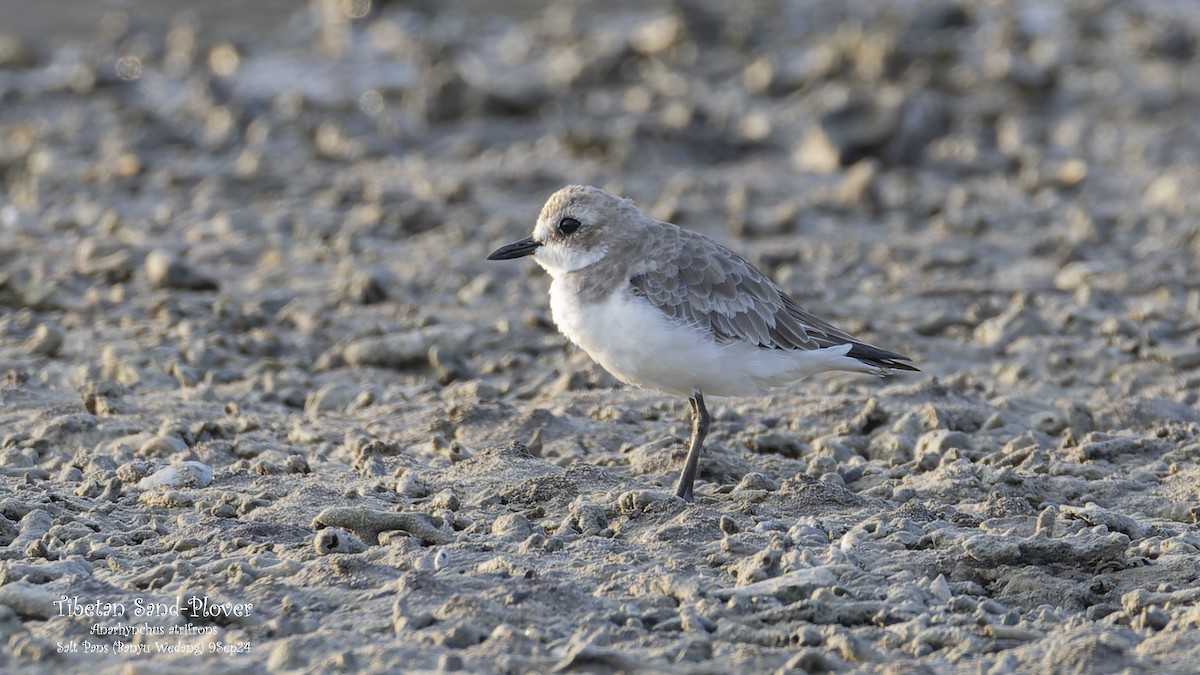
point(256, 366)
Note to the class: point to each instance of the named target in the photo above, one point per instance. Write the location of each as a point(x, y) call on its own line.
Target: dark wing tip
point(880, 358)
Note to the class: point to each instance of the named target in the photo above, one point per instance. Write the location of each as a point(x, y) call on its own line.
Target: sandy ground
point(266, 408)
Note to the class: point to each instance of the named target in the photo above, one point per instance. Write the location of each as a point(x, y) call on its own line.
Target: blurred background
point(1027, 162)
point(61, 20)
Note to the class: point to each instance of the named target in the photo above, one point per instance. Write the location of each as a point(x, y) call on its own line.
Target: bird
point(667, 309)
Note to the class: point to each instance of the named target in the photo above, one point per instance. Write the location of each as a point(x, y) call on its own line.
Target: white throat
point(558, 259)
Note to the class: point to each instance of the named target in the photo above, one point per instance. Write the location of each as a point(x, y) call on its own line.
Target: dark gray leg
point(700, 424)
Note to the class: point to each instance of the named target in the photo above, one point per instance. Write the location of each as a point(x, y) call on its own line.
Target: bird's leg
point(700, 424)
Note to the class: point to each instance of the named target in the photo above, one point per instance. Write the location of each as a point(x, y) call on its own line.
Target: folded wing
point(709, 286)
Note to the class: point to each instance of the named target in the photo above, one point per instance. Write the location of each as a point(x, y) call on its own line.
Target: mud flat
point(266, 408)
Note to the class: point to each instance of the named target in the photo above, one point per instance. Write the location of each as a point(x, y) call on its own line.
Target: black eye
point(568, 225)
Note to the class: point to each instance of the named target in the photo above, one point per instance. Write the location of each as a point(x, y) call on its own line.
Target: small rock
point(47, 340)
point(166, 271)
point(1021, 318)
point(787, 588)
point(369, 523)
point(364, 288)
point(756, 481)
point(728, 525)
point(284, 656)
point(296, 464)
point(936, 442)
point(132, 472)
point(29, 601)
point(443, 95)
point(446, 500)
point(1097, 515)
point(891, 447)
point(337, 540)
point(784, 73)
point(774, 442)
point(113, 265)
point(461, 636)
point(588, 517)
point(509, 89)
point(405, 350)
point(880, 124)
point(332, 397)
point(412, 485)
point(182, 474)
point(15, 54)
point(512, 526)
point(161, 446)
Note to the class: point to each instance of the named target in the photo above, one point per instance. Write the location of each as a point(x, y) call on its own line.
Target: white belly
point(639, 345)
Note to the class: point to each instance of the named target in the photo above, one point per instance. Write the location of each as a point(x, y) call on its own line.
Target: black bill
point(517, 249)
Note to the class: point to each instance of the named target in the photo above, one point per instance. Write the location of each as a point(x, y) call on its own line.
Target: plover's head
point(578, 227)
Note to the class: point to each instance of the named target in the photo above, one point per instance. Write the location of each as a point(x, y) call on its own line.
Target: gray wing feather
point(706, 285)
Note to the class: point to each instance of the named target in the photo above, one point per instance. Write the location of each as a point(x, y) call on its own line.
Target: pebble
point(588, 517)
point(1020, 318)
point(405, 350)
point(164, 270)
point(15, 54)
point(186, 474)
point(44, 571)
point(891, 447)
point(1116, 522)
point(855, 125)
point(404, 619)
point(1141, 599)
point(337, 540)
point(1007, 550)
point(113, 265)
point(461, 635)
point(47, 340)
point(787, 588)
point(445, 500)
point(512, 526)
point(756, 481)
point(364, 288)
point(367, 524)
point(332, 397)
point(161, 446)
point(507, 89)
point(413, 485)
point(29, 601)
